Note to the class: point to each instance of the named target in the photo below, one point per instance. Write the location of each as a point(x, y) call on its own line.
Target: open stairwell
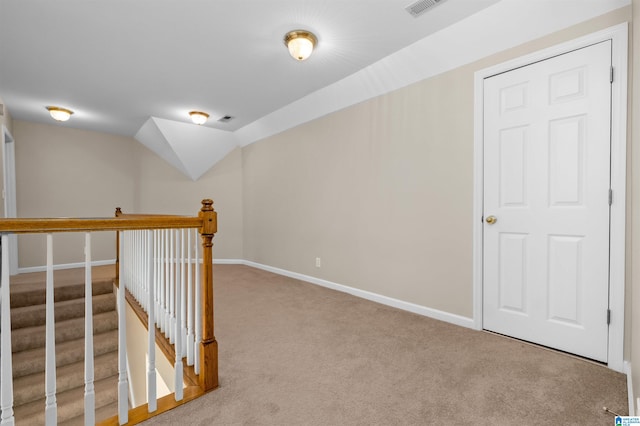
point(28, 345)
point(184, 298)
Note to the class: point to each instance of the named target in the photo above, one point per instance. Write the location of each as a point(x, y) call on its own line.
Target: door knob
point(491, 220)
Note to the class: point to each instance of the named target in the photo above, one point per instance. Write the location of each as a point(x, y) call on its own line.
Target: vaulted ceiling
point(137, 68)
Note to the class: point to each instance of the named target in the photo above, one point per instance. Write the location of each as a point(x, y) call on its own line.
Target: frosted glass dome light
point(198, 117)
point(59, 114)
point(300, 43)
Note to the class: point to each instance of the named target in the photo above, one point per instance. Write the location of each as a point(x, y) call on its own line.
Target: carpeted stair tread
point(102, 413)
point(33, 337)
point(32, 387)
point(37, 296)
point(35, 315)
point(28, 317)
point(70, 403)
point(33, 360)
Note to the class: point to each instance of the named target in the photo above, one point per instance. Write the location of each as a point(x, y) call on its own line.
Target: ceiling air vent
point(225, 119)
point(421, 6)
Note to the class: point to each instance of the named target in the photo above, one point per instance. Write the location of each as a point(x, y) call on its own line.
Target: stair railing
point(159, 264)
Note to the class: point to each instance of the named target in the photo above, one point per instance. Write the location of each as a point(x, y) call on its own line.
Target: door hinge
point(611, 75)
point(608, 316)
point(610, 196)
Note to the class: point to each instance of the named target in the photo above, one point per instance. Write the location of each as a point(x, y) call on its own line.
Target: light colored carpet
point(293, 353)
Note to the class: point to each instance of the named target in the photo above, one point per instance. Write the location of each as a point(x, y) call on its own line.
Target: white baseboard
point(65, 266)
point(389, 301)
point(632, 405)
point(385, 300)
point(228, 262)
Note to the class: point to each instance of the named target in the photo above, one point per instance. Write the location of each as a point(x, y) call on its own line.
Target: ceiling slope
point(190, 148)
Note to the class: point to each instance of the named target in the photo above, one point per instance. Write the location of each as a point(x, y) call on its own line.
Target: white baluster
point(150, 247)
point(178, 331)
point(130, 264)
point(133, 264)
point(167, 319)
point(123, 381)
point(50, 406)
point(159, 275)
point(160, 279)
point(126, 261)
point(140, 270)
point(151, 370)
point(144, 270)
point(153, 266)
point(156, 268)
point(198, 316)
point(89, 394)
point(190, 340)
point(6, 367)
point(135, 254)
point(178, 274)
point(172, 287)
point(183, 288)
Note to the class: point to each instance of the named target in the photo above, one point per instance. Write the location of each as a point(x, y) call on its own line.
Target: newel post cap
point(209, 218)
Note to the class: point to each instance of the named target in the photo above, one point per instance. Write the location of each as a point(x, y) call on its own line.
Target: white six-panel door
point(546, 184)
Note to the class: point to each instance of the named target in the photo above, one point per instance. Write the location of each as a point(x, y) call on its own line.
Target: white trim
point(374, 297)
point(29, 269)
point(627, 371)
point(618, 35)
point(228, 261)
point(9, 192)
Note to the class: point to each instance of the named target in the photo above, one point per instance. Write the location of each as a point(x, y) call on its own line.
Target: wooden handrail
point(46, 225)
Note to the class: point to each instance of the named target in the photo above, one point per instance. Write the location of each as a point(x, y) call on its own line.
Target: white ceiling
point(118, 62)
point(137, 67)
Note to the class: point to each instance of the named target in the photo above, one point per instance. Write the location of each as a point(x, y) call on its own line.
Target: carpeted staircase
point(28, 345)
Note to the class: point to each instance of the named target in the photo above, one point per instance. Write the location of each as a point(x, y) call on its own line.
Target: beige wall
point(76, 173)
point(64, 172)
point(381, 191)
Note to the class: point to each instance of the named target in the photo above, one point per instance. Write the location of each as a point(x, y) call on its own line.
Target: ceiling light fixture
point(199, 117)
point(300, 43)
point(59, 114)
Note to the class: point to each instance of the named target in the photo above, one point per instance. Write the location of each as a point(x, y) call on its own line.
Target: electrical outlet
point(318, 262)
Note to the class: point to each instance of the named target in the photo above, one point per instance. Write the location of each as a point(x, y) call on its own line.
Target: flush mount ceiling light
point(59, 114)
point(199, 117)
point(300, 43)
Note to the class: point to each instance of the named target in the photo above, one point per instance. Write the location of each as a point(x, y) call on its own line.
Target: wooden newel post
point(208, 346)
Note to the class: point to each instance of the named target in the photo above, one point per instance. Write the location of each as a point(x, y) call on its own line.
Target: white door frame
point(619, 38)
point(9, 193)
